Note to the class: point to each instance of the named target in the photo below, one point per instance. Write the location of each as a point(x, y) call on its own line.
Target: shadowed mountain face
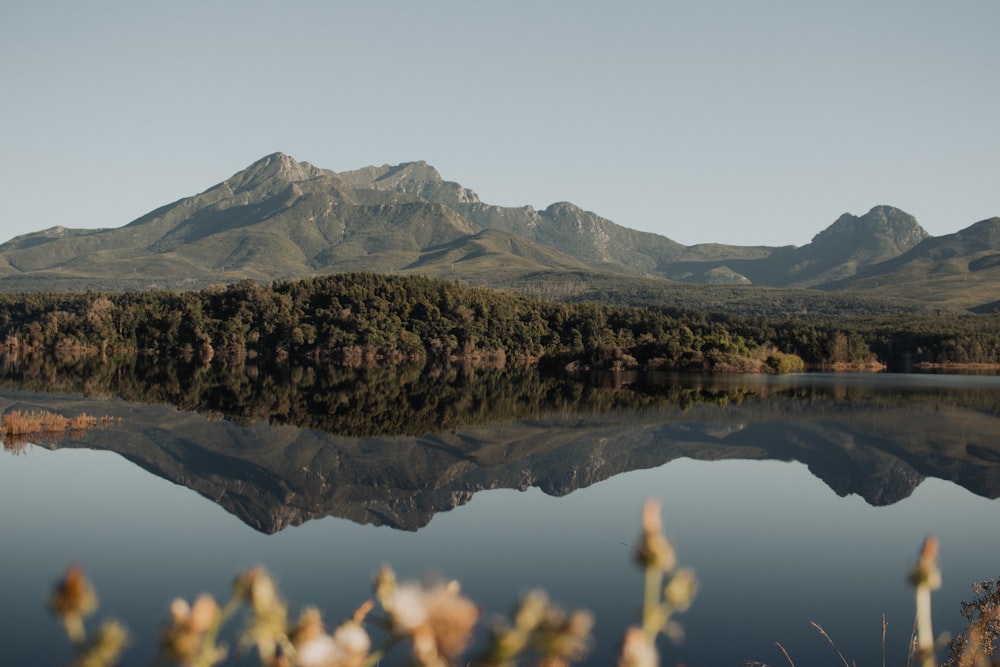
point(842, 249)
point(878, 442)
point(961, 268)
point(282, 219)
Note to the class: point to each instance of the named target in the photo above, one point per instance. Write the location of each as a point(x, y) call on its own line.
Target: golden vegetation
point(18, 427)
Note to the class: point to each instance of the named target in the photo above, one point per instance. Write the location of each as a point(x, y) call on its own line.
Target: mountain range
point(280, 219)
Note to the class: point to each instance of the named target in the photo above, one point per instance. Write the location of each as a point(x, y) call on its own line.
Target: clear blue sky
point(737, 122)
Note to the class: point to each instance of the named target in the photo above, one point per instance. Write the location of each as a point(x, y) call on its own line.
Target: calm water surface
point(773, 544)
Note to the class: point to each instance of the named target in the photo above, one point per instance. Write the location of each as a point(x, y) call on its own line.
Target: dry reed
point(19, 427)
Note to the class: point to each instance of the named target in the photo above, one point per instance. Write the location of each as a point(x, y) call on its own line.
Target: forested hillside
point(368, 319)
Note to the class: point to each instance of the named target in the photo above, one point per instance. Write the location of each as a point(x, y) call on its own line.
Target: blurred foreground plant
point(73, 599)
point(435, 624)
point(537, 626)
point(925, 578)
point(978, 641)
point(970, 648)
point(656, 556)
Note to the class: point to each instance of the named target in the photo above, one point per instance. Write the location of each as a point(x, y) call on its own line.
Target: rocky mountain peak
point(280, 218)
point(420, 180)
point(561, 209)
point(883, 225)
point(273, 167)
point(408, 172)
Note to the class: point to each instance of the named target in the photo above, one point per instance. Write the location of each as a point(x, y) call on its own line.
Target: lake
point(795, 499)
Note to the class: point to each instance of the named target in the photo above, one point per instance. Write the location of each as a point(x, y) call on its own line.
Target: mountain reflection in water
point(279, 447)
point(773, 547)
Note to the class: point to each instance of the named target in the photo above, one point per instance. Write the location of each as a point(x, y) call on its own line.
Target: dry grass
point(823, 632)
point(19, 427)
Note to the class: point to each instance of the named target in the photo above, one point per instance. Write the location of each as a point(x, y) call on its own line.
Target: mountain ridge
point(283, 219)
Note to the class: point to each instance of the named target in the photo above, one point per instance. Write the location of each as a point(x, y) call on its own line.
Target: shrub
point(781, 362)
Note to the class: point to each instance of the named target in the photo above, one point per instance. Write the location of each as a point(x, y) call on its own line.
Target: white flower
point(320, 651)
point(347, 647)
point(408, 607)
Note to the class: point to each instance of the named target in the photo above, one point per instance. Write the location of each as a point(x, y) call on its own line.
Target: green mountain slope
point(850, 244)
point(277, 219)
point(956, 269)
point(839, 251)
point(596, 241)
point(282, 219)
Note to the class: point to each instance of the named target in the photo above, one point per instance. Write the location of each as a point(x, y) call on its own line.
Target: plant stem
point(925, 633)
point(652, 620)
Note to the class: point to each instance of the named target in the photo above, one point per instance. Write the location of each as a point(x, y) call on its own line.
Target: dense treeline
point(365, 318)
point(899, 342)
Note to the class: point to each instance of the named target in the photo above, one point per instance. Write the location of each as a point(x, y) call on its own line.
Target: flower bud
point(680, 591)
point(353, 644)
point(926, 572)
point(531, 610)
point(654, 551)
point(184, 637)
point(637, 650)
point(73, 595)
point(385, 584)
point(308, 627)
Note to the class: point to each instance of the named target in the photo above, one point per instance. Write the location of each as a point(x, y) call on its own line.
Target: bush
point(779, 363)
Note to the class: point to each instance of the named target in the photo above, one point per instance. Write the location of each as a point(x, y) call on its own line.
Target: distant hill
point(283, 219)
point(599, 242)
point(842, 249)
point(961, 268)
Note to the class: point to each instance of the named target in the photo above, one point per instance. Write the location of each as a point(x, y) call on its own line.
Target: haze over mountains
point(282, 219)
